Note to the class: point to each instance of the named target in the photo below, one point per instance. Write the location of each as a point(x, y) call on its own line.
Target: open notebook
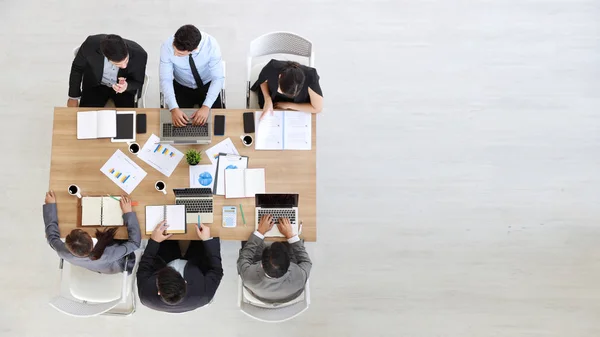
point(283, 130)
point(96, 124)
point(101, 211)
point(244, 183)
point(174, 215)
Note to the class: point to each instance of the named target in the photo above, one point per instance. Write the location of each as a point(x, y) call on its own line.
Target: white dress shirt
point(207, 58)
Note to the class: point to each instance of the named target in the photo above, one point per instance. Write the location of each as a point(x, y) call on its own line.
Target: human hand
point(72, 103)
point(50, 197)
point(285, 227)
point(268, 107)
point(203, 232)
point(265, 224)
point(125, 204)
point(179, 118)
point(158, 234)
point(284, 105)
point(121, 86)
point(200, 116)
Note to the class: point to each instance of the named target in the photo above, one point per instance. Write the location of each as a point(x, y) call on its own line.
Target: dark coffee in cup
point(134, 148)
point(73, 189)
point(247, 140)
point(160, 185)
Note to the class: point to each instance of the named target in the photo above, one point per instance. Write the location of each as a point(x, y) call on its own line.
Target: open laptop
point(279, 206)
point(189, 134)
point(197, 201)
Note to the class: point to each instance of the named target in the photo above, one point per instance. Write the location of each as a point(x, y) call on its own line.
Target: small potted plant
point(193, 157)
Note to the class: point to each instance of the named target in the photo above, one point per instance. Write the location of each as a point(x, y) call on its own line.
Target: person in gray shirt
point(278, 273)
point(106, 256)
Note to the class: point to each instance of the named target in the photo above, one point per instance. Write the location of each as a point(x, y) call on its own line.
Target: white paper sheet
point(176, 219)
point(297, 130)
point(254, 182)
point(269, 131)
point(123, 171)
point(107, 123)
point(225, 146)
point(111, 212)
point(87, 124)
point(162, 157)
point(91, 211)
point(234, 184)
point(202, 176)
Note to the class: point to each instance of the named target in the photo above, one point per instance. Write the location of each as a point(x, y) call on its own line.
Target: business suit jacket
point(201, 287)
point(273, 290)
point(89, 65)
point(112, 260)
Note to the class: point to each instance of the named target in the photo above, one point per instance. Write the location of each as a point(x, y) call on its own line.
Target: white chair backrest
point(280, 43)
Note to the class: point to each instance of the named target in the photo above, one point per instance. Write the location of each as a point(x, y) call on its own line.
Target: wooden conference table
point(79, 162)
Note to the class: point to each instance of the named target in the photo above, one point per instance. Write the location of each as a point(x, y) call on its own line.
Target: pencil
point(242, 211)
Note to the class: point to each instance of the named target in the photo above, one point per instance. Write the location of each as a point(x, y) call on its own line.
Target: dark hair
point(187, 38)
point(79, 243)
point(104, 239)
point(114, 48)
point(171, 285)
point(276, 260)
point(291, 79)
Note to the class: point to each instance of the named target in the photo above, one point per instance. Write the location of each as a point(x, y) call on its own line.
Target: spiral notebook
point(101, 211)
point(174, 215)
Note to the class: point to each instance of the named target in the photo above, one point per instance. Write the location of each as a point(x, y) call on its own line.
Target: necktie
point(195, 72)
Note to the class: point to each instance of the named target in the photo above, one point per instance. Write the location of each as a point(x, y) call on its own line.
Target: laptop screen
point(276, 200)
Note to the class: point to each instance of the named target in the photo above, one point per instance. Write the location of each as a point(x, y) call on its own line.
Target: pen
point(133, 203)
point(199, 222)
point(242, 211)
point(113, 197)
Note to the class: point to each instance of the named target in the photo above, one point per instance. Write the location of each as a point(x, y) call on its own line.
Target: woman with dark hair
point(106, 256)
point(288, 85)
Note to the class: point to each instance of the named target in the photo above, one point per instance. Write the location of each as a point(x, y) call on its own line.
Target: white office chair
point(84, 293)
point(223, 98)
point(140, 97)
point(270, 44)
point(272, 313)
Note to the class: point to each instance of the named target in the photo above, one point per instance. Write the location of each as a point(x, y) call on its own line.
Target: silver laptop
point(197, 201)
point(189, 134)
point(279, 206)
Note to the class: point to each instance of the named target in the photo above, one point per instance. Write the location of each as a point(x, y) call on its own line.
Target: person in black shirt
point(288, 85)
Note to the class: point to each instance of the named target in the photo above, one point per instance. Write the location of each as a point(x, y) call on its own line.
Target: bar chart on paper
point(123, 171)
point(162, 157)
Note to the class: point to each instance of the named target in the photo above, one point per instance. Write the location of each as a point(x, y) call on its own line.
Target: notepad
point(284, 130)
point(96, 124)
point(244, 183)
point(174, 215)
point(101, 211)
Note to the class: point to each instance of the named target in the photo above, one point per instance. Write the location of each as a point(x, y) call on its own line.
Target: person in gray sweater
point(107, 256)
point(274, 274)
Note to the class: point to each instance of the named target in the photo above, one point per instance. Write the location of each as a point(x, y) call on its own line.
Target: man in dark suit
point(168, 282)
point(107, 66)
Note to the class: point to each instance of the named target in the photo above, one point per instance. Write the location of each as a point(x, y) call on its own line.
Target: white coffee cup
point(247, 140)
point(74, 190)
point(161, 186)
point(134, 147)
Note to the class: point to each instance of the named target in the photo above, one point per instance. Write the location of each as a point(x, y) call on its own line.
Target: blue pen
point(199, 221)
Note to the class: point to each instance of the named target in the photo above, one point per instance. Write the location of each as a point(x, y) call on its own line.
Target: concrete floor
point(458, 163)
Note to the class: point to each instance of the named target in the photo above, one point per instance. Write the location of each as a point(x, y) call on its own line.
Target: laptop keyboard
point(197, 205)
point(278, 213)
point(187, 131)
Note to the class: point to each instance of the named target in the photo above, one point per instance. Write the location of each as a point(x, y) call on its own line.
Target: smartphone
point(248, 122)
point(219, 129)
point(140, 123)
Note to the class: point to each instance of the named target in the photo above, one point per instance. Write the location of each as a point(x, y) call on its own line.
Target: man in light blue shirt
point(191, 73)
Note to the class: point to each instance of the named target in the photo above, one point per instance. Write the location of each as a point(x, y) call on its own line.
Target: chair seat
point(90, 286)
point(250, 298)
